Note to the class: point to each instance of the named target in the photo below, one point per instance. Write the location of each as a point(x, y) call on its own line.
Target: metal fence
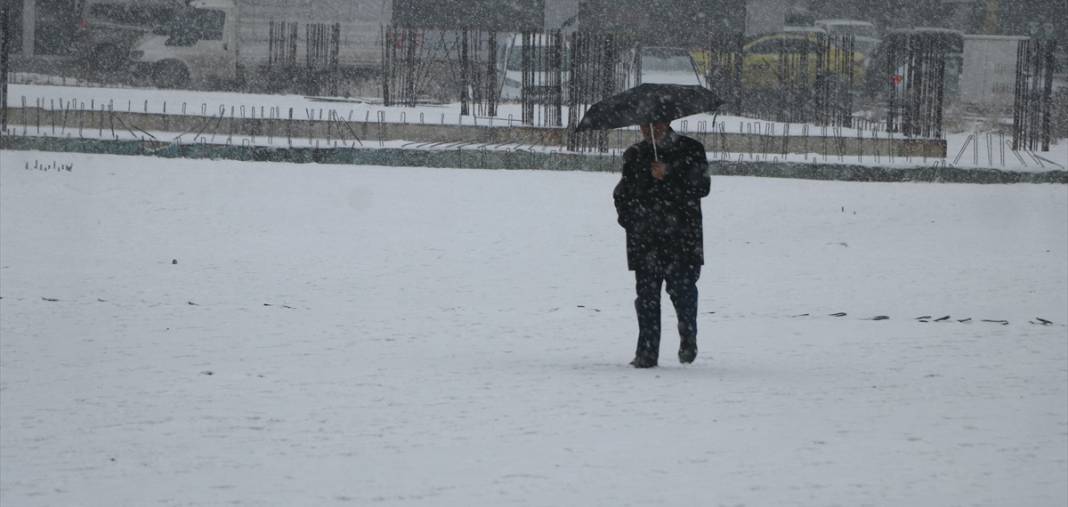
point(542, 68)
point(915, 71)
point(599, 68)
point(801, 78)
point(281, 45)
point(723, 69)
point(1033, 105)
point(5, 51)
point(318, 72)
point(442, 65)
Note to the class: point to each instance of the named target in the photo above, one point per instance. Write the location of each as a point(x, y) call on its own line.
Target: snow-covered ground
point(178, 332)
point(968, 149)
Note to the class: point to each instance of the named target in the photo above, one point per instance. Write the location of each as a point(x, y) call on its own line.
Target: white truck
point(220, 40)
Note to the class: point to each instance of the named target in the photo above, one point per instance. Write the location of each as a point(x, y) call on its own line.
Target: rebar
point(1032, 103)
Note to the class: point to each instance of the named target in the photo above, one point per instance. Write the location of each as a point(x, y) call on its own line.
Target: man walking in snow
point(658, 202)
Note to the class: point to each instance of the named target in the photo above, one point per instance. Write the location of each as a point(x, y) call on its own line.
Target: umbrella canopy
point(649, 103)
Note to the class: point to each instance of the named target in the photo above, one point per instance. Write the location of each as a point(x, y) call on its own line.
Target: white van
point(220, 39)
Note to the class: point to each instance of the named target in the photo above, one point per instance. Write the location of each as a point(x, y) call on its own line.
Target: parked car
point(107, 31)
point(197, 44)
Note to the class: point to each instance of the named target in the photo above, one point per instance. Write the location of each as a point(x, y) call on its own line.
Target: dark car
point(108, 31)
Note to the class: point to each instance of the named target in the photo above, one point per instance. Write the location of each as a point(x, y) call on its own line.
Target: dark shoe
point(688, 351)
point(643, 362)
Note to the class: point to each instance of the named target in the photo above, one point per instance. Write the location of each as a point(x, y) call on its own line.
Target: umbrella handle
point(652, 138)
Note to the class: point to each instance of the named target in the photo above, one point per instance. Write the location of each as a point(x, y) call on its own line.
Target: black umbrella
point(649, 103)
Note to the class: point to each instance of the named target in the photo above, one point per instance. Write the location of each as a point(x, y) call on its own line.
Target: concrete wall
point(32, 120)
point(480, 158)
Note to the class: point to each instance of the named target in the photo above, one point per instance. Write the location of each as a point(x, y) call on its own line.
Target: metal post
point(464, 80)
point(572, 95)
point(1047, 94)
point(891, 104)
point(850, 53)
point(5, 50)
point(387, 36)
point(491, 75)
point(526, 63)
point(1017, 104)
point(558, 78)
point(335, 53)
point(409, 61)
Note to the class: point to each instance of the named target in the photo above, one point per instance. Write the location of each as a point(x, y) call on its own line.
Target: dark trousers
point(682, 288)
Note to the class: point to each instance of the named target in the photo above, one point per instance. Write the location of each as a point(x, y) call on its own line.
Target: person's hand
point(659, 170)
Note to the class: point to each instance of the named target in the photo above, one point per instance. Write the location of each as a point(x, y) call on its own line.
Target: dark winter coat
point(663, 218)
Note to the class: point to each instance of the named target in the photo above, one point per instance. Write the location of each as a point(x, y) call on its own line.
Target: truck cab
point(197, 45)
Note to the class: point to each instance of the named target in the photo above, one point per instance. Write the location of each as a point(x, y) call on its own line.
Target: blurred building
point(683, 23)
point(561, 14)
point(1032, 18)
point(766, 16)
point(511, 16)
point(51, 27)
point(42, 27)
